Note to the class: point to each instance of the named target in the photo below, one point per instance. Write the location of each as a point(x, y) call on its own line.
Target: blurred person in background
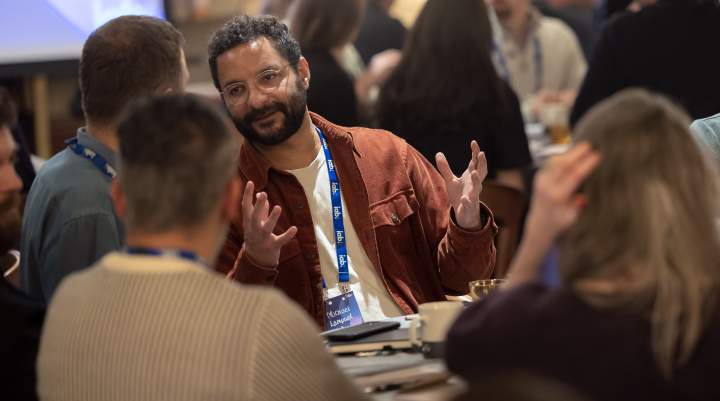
point(276, 8)
point(633, 208)
point(24, 165)
point(20, 317)
point(10, 260)
point(343, 87)
point(323, 28)
point(69, 220)
point(154, 321)
point(539, 56)
point(607, 9)
point(662, 47)
point(445, 92)
point(379, 31)
point(579, 15)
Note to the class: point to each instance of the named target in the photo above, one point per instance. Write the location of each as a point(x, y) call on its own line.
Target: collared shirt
point(707, 130)
point(397, 202)
point(69, 220)
point(563, 63)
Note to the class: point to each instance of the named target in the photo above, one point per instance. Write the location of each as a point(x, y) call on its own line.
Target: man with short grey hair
point(154, 321)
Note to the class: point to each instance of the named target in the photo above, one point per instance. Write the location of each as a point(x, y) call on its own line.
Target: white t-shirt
point(373, 299)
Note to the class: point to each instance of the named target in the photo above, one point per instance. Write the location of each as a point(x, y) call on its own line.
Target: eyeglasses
point(268, 81)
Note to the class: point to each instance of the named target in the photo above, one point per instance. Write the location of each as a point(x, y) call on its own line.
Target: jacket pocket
point(405, 260)
point(391, 212)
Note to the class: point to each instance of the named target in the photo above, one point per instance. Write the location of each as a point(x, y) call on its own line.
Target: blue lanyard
point(176, 253)
point(504, 71)
point(337, 216)
point(93, 156)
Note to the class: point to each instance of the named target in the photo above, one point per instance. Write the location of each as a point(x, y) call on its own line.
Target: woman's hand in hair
point(464, 191)
point(556, 202)
point(555, 207)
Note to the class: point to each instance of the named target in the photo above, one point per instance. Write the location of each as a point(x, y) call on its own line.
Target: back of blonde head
point(649, 232)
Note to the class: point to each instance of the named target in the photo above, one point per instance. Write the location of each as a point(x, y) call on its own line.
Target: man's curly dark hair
point(243, 29)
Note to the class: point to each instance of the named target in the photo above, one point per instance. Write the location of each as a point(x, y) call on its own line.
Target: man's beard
point(10, 222)
point(293, 112)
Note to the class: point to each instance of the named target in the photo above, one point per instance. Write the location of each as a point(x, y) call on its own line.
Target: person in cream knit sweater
point(154, 322)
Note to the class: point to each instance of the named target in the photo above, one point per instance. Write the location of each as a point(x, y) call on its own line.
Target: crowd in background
point(370, 146)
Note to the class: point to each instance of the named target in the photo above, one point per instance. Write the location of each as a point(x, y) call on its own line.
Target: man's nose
point(257, 99)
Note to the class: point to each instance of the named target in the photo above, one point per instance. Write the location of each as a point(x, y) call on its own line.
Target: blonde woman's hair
point(650, 226)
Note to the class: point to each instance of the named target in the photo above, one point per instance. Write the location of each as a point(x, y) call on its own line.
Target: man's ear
point(118, 198)
point(231, 200)
point(304, 71)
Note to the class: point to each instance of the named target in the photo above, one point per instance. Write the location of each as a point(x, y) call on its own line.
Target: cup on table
point(560, 134)
point(434, 319)
point(555, 117)
point(481, 288)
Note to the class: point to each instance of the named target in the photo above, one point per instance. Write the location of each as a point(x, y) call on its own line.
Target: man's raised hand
point(464, 191)
point(262, 246)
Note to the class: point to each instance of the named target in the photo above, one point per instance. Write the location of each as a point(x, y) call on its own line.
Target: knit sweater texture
point(137, 327)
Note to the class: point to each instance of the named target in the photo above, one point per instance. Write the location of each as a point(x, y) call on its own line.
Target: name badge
point(342, 311)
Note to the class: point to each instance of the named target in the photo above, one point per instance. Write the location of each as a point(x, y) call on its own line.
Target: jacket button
point(394, 217)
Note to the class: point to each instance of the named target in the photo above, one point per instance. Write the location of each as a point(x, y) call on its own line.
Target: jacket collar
point(86, 139)
point(253, 166)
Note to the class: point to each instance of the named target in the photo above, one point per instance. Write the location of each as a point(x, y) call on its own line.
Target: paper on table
point(446, 391)
point(354, 366)
point(402, 376)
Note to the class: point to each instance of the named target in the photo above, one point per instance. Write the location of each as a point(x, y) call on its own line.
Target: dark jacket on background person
point(21, 321)
point(500, 134)
point(378, 32)
point(668, 47)
point(398, 205)
point(332, 92)
point(553, 333)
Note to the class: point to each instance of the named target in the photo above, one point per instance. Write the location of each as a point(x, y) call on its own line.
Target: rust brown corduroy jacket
point(397, 203)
